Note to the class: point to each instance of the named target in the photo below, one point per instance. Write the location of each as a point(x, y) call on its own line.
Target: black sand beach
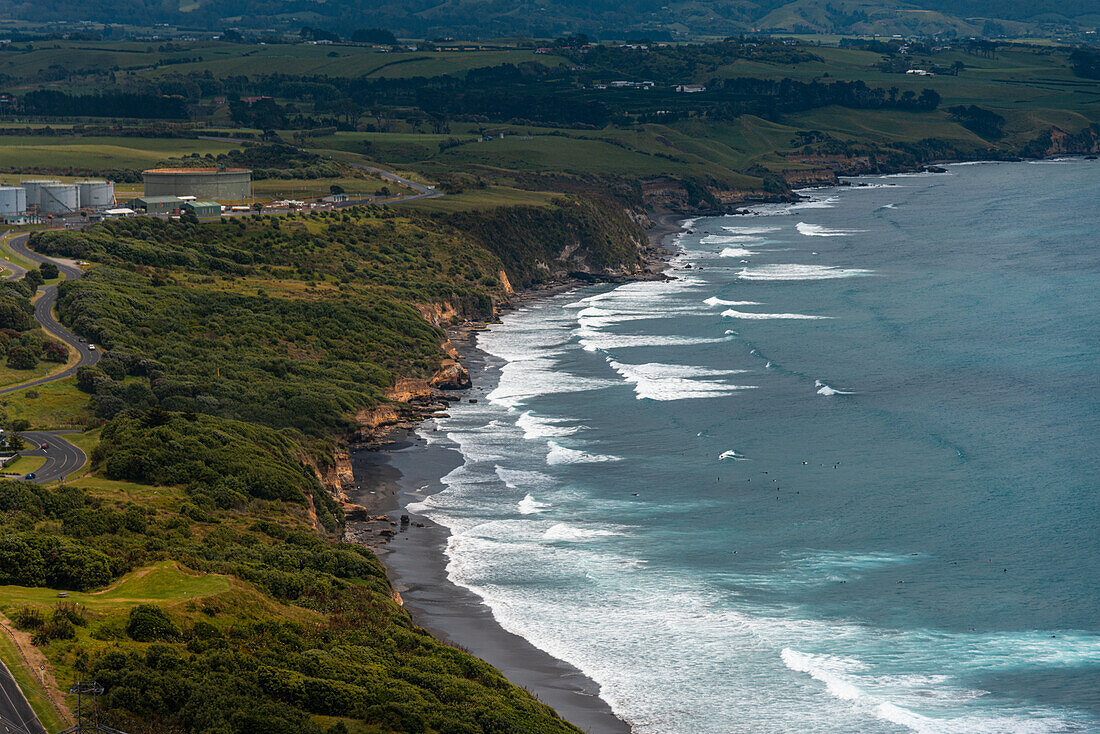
point(416, 564)
point(409, 470)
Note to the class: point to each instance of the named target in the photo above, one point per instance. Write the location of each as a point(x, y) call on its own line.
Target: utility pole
point(87, 694)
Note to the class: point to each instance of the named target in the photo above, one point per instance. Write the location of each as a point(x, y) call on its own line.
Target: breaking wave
point(816, 230)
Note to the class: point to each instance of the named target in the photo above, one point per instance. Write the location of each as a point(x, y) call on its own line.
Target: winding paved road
point(62, 458)
point(424, 192)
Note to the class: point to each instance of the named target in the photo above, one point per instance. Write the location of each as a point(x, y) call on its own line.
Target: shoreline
point(405, 469)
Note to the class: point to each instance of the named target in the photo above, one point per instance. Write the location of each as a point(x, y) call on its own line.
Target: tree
point(49, 271)
point(54, 351)
point(149, 623)
point(373, 35)
point(258, 207)
point(34, 278)
point(336, 189)
point(189, 217)
point(21, 358)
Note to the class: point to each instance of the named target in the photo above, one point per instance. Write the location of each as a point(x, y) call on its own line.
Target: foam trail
point(816, 230)
point(751, 230)
point(736, 252)
point(731, 314)
point(716, 301)
point(563, 531)
point(563, 455)
point(800, 272)
point(738, 239)
point(731, 454)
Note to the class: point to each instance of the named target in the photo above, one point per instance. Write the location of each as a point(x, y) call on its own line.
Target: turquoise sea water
point(840, 475)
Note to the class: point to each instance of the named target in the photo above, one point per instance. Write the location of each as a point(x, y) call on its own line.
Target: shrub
point(22, 358)
point(149, 623)
point(28, 618)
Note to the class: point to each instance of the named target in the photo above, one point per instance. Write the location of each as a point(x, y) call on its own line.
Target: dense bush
point(228, 461)
point(148, 623)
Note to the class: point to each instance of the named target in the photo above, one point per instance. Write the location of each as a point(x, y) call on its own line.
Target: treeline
point(52, 103)
point(769, 97)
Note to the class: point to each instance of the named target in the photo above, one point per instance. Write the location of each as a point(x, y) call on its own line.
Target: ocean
point(839, 475)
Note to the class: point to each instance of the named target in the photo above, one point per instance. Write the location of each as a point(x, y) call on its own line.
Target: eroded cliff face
point(804, 178)
point(1060, 142)
point(673, 195)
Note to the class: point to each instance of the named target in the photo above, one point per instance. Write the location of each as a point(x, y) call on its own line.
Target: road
point(423, 192)
point(16, 715)
point(62, 458)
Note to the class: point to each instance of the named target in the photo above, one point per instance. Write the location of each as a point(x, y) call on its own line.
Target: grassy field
point(56, 405)
point(97, 153)
point(24, 464)
point(165, 581)
point(9, 376)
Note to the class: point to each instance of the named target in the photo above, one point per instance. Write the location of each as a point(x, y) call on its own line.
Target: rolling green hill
point(602, 18)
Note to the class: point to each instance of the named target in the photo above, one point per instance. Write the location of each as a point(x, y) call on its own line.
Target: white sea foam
point(823, 389)
point(564, 455)
point(736, 252)
point(594, 341)
point(534, 426)
point(523, 478)
point(846, 679)
point(799, 272)
point(530, 506)
point(816, 230)
point(656, 381)
point(716, 301)
point(731, 455)
point(525, 379)
point(732, 314)
point(565, 532)
point(751, 230)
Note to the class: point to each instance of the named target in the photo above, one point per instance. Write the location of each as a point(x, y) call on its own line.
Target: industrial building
point(96, 193)
point(13, 202)
point(58, 198)
point(202, 209)
point(219, 184)
point(157, 204)
point(50, 196)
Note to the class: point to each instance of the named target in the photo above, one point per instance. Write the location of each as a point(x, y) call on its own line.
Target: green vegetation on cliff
point(234, 354)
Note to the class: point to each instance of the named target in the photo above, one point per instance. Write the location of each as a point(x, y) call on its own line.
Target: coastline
point(405, 470)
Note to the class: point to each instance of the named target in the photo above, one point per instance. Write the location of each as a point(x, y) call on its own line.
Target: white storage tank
point(96, 194)
point(13, 201)
point(58, 198)
point(33, 187)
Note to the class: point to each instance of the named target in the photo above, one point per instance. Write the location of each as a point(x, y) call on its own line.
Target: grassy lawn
point(166, 581)
point(57, 405)
point(23, 464)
